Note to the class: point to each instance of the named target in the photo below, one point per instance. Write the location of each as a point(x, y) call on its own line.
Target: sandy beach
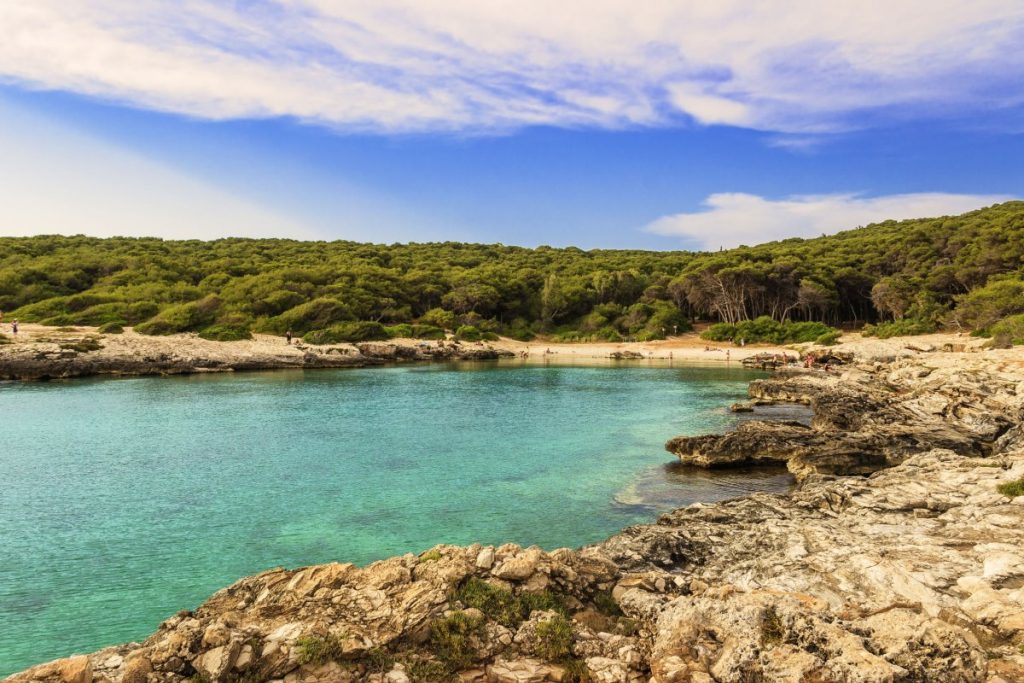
point(273, 351)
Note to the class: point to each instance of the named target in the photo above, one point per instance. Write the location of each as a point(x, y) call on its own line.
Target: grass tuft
point(1012, 489)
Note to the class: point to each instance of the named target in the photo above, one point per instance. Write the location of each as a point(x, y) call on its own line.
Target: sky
point(662, 124)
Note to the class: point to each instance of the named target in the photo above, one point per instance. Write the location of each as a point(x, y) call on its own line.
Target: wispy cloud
point(799, 66)
point(730, 219)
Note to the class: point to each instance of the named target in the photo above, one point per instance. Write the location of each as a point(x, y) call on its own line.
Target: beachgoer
point(727, 355)
point(288, 337)
point(14, 327)
point(743, 341)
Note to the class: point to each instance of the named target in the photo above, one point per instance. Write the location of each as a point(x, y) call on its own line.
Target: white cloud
point(58, 181)
point(734, 218)
point(791, 66)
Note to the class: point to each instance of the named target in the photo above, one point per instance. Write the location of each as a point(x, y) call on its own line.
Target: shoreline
point(43, 353)
point(913, 573)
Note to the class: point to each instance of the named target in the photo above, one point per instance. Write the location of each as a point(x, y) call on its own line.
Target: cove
point(126, 500)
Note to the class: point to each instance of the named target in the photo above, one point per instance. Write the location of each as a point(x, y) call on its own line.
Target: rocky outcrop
point(871, 417)
point(61, 355)
point(913, 574)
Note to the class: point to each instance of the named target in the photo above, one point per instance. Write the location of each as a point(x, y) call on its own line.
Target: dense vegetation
point(911, 275)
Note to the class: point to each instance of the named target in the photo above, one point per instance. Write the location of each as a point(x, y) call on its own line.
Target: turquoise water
point(125, 500)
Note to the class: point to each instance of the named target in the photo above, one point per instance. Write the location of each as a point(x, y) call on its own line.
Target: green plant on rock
point(1012, 489)
point(772, 628)
point(605, 604)
point(575, 671)
point(502, 605)
point(378, 660)
point(451, 639)
point(554, 638)
point(428, 671)
point(111, 328)
point(319, 649)
point(431, 556)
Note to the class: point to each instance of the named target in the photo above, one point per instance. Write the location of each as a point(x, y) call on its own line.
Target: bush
point(984, 306)
point(767, 330)
point(315, 649)
point(829, 338)
point(554, 639)
point(502, 605)
point(225, 332)
point(520, 330)
point(111, 328)
point(400, 331)
point(451, 639)
point(439, 317)
point(899, 328)
point(182, 317)
point(347, 332)
point(317, 314)
point(1012, 489)
point(472, 334)
point(1008, 331)
point(407, 331)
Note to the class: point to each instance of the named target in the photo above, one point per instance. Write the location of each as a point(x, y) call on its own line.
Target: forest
point(894, 277)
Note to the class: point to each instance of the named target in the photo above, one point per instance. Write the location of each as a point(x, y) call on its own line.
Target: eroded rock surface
point(874, 416)
point(58, 354)
point(912, 574)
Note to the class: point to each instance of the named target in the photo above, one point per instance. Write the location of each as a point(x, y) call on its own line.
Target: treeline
point(962, 270)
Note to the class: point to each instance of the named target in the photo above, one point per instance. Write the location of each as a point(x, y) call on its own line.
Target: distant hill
point(921, 273)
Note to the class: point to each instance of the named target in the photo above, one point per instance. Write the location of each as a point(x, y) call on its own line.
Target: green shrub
point(347, 332)
point(899, 328)
point(431, 556)
point(439, 317)
point(317, 649)
point(4, 339)
point(428, 671)
point(317, 314)
point(111, 328)
point(378, 660)
point(1012, 489)
point(773, 630)
point(605, 604)
point(182, 317)
point(400, 331)
point(472, 334)
point(767, 330)
point(554, 639)
point(520, 330)
point(225, 332)
point(427, 332)
point(451, 639)
point(407, 331)
point(502, 605)
point(829, 338)
point(1008, 331)
point(575, 671)
point(984, 306)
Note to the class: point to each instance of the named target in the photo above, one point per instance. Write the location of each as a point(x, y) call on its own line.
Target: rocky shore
point(56, 353)
point(912, 571)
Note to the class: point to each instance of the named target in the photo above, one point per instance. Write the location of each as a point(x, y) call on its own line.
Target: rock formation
point(63, 355)
point(912, 574)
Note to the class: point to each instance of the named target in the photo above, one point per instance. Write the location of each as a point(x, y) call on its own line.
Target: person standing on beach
point(288, 337)
point(14, 328)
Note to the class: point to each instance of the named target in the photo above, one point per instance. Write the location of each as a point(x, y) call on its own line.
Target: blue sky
point(597, 124)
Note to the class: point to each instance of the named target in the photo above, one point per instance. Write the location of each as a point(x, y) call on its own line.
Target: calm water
point(126, 500)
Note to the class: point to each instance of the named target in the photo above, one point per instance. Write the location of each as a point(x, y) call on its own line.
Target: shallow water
point(125, 500)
